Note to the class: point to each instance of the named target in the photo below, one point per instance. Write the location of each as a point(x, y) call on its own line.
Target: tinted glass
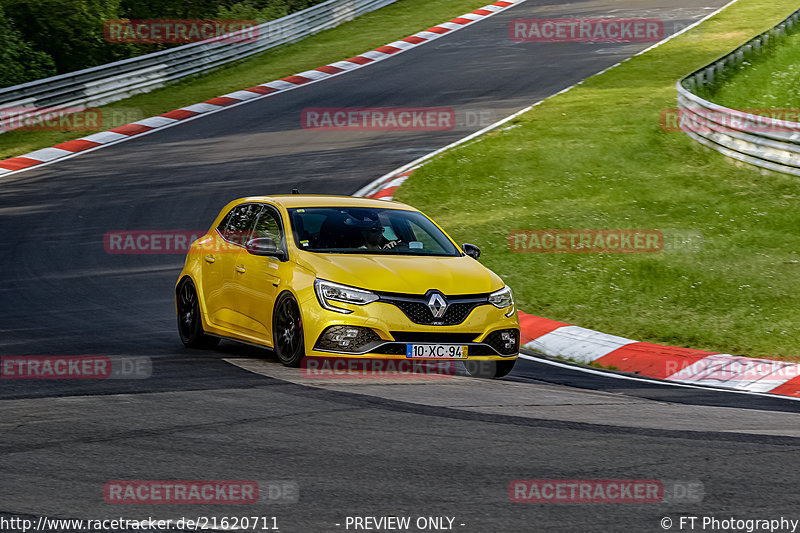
point(236, 226)
point(366, 230)
point(268, 226)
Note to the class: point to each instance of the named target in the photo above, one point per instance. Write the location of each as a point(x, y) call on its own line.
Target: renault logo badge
point(437, 304)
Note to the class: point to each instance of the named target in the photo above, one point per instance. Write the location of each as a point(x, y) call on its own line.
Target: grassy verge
point(597, 157)
point(770, 81)
point(369, 31)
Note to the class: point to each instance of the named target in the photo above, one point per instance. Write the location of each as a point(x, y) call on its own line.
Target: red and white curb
point(148, 125)
point(683, 365)
point(387, 190)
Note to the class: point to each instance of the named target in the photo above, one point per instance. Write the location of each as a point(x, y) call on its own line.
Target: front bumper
point(388, 331)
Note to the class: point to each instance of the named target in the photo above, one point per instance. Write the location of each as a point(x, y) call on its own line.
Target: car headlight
point(502, 299)
point(328, 291)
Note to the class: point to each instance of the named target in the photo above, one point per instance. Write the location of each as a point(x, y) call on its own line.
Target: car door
point(258, 277)
point(219, 272)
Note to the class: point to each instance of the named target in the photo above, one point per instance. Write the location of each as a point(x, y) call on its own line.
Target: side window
point(236, 225)
point(268, 225)
point(224, 222)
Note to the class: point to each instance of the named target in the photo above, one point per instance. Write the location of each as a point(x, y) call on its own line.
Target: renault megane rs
point(332, 276)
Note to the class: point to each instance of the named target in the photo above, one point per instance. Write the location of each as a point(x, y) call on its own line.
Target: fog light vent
point(508, 339)
point(346, 339)
point(505, 341)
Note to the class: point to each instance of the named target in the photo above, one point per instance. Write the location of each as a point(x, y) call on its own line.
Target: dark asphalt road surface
point(351, 453)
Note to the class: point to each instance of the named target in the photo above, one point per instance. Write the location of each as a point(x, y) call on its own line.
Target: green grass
point(596, 157)
point(770, 81)
point(369, 31)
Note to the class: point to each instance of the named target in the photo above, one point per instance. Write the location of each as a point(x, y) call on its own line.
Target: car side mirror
point(264, 246)
point(471, 250)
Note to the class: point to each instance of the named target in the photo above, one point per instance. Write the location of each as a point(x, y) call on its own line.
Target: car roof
point(320, 200)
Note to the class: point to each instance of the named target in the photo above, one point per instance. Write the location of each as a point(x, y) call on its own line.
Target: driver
point(374, 239)
point(372, 233)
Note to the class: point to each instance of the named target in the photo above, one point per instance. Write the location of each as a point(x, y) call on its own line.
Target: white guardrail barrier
point(766, 142)
point(114, 81)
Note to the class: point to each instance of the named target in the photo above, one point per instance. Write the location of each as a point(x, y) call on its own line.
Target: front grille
point(419, 313)
point(361, 340)
point(417, 310)
point(435, 337)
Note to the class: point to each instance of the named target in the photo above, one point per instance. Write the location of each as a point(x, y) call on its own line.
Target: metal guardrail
point(765, 142)
point(114, 81)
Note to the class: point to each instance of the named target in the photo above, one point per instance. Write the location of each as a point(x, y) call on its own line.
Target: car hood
point(404, 274)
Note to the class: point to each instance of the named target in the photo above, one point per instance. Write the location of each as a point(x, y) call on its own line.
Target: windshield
point(358, 230)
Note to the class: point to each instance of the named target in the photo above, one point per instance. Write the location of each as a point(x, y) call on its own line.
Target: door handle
point(240, 269)
point(210, 258)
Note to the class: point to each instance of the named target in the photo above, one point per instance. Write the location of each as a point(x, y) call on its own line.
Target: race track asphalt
point(415, 449)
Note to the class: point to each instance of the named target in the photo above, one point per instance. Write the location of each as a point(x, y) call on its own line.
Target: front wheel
point(489, 369)
point(287, 331)
point(190, 326)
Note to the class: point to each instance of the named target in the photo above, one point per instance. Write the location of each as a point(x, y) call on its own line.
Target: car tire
point(489, 369)
point(287, 331)
point(190, 325)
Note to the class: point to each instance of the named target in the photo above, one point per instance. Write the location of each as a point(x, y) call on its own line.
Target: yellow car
point(335, 276)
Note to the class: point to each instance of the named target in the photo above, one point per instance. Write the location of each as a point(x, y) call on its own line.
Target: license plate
point(436, 351)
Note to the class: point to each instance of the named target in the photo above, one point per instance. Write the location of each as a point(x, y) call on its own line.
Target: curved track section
point(65, 295)
point(376, 449)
